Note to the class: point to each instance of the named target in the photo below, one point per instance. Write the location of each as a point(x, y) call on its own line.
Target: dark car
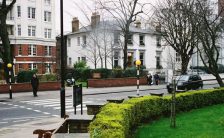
point(186, 82)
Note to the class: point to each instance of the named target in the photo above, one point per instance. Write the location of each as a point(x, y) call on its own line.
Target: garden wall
point(116, 82)
point(26, 87)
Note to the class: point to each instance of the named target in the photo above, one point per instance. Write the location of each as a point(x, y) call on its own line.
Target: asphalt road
point(24, 108)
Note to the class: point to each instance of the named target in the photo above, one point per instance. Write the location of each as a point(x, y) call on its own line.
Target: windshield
point(182, 78)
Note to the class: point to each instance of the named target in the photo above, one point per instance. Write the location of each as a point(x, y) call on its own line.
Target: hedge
point(116, 120)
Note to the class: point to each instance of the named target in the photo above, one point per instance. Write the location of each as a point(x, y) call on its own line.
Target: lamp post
point(9, 66)
point(138, 63)
point(62, 91)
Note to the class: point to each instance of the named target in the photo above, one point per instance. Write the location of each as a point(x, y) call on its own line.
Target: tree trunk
point(7, 54)
point(125, 50)
point(219, 80)
point(184, 64)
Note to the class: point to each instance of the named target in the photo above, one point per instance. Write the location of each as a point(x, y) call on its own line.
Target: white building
point(31, 27)
point(87, 42)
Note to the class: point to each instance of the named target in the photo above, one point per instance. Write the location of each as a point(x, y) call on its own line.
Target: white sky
point(72, 10)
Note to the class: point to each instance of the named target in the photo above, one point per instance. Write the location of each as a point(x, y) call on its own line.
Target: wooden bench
point(157, 94)
point(116, 100)
point(94, 108)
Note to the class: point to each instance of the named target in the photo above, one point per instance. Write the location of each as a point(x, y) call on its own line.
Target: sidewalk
point(26, 130)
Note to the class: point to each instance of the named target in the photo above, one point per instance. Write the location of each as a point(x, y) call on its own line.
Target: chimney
point(138, 24)
point(75, 24)
point(95, 19)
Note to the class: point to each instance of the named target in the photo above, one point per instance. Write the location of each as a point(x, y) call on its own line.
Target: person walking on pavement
point(35, 84)
point(156, 77)
point(149, 79)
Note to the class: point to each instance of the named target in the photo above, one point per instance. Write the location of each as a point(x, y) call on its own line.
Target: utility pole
point(62, 91)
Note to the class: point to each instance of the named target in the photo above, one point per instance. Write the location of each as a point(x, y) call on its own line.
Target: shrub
point(80, 64)
point(25, 76)
point(116, 120)
point(105, 73)
point(117, 73)
point(48, 77)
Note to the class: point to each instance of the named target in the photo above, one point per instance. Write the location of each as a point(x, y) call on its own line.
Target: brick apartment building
point(31, 27)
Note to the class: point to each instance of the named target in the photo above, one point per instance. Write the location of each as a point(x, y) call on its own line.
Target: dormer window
point(141, 39)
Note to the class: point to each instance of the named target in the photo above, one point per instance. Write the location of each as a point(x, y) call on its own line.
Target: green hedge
point(116, 120)
point(25, 76)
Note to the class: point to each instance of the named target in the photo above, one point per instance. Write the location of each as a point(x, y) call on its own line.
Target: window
point(47, 68)
point(20, 50)
point(141, 39)
point(78, 41)
point(70, 61)
point(130, 39)
point(47, 33)
point(20, 67)
point(18, 11)
point(158, 60)
point(158, 41)
point(19, 30)
point(31, 30)
point(48, 50)
point(31, 12)
point(116, 38)
point(178, 58)
point(69, 42)
point(116, 56)
point(84, 39)
point(47, 16)
point(130, 61)
point(32, 66)
point(141, 58)
point(84, 59)
point(32, 50)
point(78, 59)
point(47, 2)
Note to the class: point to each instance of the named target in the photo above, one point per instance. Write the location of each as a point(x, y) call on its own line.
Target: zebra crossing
point(55, 104)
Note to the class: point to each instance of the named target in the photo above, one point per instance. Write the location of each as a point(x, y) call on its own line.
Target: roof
point(113, 26)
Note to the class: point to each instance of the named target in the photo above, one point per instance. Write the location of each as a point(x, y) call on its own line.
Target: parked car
point(186, 82)
point(196, 71)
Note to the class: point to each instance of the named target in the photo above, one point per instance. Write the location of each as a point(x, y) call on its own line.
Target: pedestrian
point(156, 78)
point(149, 79)
point(35, 84)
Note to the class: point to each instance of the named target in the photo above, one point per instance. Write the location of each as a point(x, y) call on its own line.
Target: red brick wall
point(40, 58)
point(26, 87)
point(113, 82)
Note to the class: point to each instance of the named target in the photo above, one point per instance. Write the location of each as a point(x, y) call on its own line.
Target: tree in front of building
point(125, 13)
point(176, 28)
point(210, 25)
point(6, 52)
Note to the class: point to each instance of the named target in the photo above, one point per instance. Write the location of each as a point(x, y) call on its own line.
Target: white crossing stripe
point(56, 104)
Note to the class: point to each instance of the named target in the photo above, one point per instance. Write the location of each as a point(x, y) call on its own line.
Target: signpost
point(77, 97)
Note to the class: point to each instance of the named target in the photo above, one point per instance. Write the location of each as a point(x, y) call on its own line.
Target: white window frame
point(19, 31)
point(47, 68)
point(48, 50)
point(47, 2)
point(78, 41)
point(32, 66)
point(18, 11)
point(69, 42)
point(31, 13)
point(31, 30)
point(32, 50)
point(47, 33)
point(47, 16)
point(19, 50)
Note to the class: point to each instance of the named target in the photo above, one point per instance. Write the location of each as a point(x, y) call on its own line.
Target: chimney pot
point(75, 24)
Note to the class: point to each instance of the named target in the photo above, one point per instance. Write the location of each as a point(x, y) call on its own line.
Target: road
point(24, 108)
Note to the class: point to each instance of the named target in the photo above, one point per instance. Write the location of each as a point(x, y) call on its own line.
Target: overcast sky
point(72, 10)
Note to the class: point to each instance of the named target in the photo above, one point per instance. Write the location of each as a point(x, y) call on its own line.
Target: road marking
point(37, 111)
point(55, 115)
point(7, 108)
point(46, 113)
point(16, 121)
point(22, 106)
point(3, 122)
point(29, 108)
point(24, 118)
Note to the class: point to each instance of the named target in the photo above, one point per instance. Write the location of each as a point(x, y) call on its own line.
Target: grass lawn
point(207, 122)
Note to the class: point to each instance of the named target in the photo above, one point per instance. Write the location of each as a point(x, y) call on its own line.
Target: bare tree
point(176, 28)
point(6, 54)
point(125, 13)
point(210, 29)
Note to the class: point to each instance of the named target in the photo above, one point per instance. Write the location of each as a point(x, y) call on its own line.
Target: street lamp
point(9, 65)
point(138, 63)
